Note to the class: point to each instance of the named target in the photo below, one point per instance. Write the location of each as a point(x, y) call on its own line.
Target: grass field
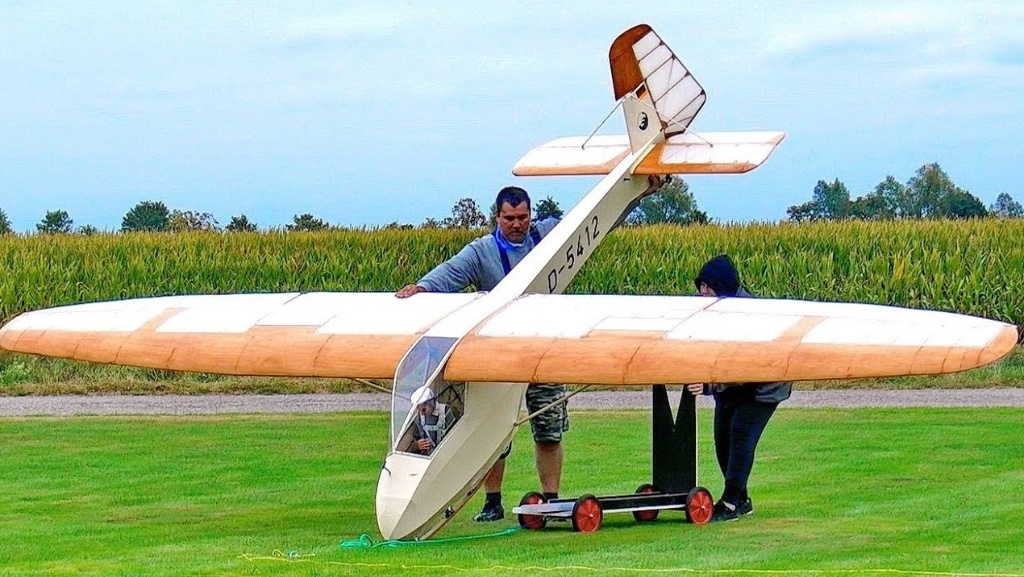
point(836, 492)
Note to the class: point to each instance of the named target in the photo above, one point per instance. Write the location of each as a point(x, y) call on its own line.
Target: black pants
point(738, 428)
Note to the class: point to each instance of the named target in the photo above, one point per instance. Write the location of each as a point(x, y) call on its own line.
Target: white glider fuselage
point(416, 494)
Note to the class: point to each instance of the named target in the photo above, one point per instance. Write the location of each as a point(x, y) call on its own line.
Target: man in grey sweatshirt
point(482, 264)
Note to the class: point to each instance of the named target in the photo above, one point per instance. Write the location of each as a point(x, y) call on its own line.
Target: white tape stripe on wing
point(131, 315)
point(895, 333)
point(329, 313)
point(733, 327)
point(575, 316)
point(737, 320)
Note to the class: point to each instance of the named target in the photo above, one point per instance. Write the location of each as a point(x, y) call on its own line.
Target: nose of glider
point(399, 514)
point(417, 494)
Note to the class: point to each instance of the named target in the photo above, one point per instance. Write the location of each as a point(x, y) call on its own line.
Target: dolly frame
point(673, 474)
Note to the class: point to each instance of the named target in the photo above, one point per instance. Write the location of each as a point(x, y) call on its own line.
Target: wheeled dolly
point(674, 464)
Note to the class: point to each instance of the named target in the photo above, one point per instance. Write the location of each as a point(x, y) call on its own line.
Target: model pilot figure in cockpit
point(431, 421)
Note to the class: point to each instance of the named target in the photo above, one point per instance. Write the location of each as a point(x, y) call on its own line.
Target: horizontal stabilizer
point(710, 153)
point(567, 156)
point(688, 153)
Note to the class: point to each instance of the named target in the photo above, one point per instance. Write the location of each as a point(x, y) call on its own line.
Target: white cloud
point(935, 30)
point(360, 21)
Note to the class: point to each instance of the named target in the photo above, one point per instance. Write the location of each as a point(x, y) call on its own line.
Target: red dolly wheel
point(532, 522)
point(645, 516)
point(587, 514)
point(699, 506)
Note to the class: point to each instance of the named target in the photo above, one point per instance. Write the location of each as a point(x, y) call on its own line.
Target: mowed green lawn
point(851, 492)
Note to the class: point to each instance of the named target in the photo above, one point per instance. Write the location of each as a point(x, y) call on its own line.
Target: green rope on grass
point(366, 542)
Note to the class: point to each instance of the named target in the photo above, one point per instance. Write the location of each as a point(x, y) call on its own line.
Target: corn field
point(972, 267)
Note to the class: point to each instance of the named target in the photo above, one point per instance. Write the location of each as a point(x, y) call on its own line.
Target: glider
point(475, 353)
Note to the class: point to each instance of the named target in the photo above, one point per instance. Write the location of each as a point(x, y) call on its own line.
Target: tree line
point(929, 194)
point(673, 204)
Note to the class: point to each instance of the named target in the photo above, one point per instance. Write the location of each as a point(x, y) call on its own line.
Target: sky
point(367, 113)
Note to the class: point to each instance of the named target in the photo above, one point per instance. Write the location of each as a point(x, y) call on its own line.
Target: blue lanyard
point(503, 246)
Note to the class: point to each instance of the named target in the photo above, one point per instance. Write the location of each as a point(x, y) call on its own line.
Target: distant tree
point(431, 223)
point(830, 201)
point(5, 223)
point(87, 230)
point(833, 198)
point(149, 215)
point(894, 196)
point(395, 225)
point(671, 204)
point(187, 220)
point(547, 208)
point(926, 190)
point(886, 202)
point(960, 204)
point(869, 207)
point(804, 212)
point(306, 223)
point(1004, 206)
point(241, 223)
point(465, 214)
point(55, 222)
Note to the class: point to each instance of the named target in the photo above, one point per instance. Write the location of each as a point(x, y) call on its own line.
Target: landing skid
point(674, 464)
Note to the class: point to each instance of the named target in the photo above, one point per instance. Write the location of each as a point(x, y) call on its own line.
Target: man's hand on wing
point(409, 290)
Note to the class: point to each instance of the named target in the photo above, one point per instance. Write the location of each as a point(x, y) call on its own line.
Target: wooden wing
point(599, 339)
point(313, 334)
point(639, 340)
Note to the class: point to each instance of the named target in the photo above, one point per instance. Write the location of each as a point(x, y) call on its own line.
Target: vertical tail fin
point(644, 69)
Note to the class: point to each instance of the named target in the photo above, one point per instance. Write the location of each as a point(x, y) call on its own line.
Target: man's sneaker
point(746, 507)
point(723, 513)
point(490, 513)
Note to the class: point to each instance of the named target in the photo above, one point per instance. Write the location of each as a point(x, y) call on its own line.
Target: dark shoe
point(490, 513)
point(723, 513)
point(746, 507)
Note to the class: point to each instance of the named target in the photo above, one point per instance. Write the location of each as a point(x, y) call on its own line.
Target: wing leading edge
point(356, 335)
point(641, 340)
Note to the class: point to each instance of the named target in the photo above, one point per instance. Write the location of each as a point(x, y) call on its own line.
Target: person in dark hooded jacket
point(742, 410)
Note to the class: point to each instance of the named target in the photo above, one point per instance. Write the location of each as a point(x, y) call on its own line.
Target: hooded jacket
point(721, 276)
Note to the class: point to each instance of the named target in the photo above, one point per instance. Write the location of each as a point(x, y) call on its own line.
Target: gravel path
point(597, 400)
